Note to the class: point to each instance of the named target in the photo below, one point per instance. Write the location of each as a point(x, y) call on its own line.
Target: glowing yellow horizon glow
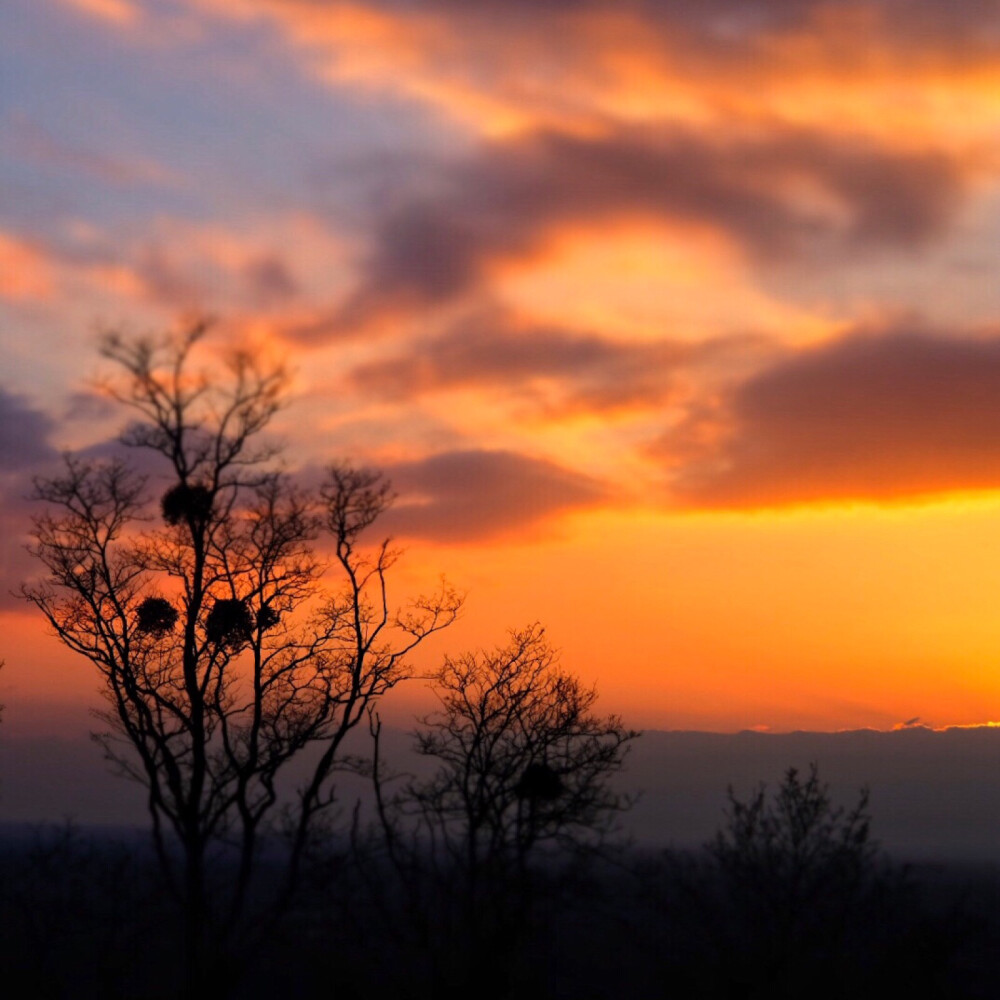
point(852, 624)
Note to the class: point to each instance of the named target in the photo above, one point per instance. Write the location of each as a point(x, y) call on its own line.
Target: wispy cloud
point(479, 495)
point(35, 143)
point(118, 12)
point(25, 273)
point(551, 370)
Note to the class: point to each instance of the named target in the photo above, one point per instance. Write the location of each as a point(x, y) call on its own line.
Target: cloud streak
point(564, 371)
point(500, 68)
point(552, 370)
point(479, 495)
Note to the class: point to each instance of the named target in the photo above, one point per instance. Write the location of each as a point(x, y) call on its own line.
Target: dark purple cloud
point(24, 434)
point(870, 417)
point(268, 279)
point(24, 451)
point(428, 250)
point(460, 496)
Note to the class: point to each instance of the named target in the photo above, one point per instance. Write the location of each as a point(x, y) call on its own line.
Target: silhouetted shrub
point(156, 616)
point(796, 898)
point(229, 623)
point(795, 856)
point(185, 502)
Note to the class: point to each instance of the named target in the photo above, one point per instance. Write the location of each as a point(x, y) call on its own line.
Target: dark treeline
point(242, 624)
point(767, 909)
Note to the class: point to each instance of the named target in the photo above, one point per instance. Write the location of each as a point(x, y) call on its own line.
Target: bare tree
point(225, 648)
point(796, 884)
point(524, 768)
point(791, 855)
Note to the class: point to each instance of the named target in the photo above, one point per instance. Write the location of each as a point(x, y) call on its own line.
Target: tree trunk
point(197, 956)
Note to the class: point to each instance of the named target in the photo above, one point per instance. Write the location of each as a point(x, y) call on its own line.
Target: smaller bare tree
point(524, 769)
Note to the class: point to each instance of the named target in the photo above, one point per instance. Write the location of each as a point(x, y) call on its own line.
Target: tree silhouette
point(523, 765)
point(797, 878)
point(225, 652)
point(791, 849)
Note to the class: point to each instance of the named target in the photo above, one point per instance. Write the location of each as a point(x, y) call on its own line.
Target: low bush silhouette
point(793, 897)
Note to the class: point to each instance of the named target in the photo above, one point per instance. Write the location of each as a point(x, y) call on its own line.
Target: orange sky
point(679, 318)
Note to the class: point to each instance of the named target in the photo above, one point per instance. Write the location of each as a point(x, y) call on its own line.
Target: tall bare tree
point(226, 643)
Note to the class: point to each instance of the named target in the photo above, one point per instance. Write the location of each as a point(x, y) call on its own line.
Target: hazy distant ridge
point(933, 793)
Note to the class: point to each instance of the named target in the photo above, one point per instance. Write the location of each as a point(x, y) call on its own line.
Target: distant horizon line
point(762, 730)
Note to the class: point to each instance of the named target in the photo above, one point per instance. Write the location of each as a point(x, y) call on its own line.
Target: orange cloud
point(926, 79)
point(422, 54)
point(119, 12)
point(25, 272)
point(633, 278)
point(263, 267)
point(551, 373)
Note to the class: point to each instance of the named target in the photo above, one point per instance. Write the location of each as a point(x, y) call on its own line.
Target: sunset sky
point(675, 324)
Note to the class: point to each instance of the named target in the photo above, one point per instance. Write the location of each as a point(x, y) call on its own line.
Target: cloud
point(490, 69)
point(562, 370)
point(117, 12)
point(249, 269)
point(784, 195)
point(25, 271)
point(475, 495)
point(269, 279)
point(869, 417)
point(556, 371)
point(24, 450)
point(38, 145)
point(501, 67)
point(24, 434)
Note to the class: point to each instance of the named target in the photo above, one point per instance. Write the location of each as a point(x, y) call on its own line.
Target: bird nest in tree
point(539, 781)
point(185, 502)
point(229, 623)
point(267, 618)
point(156, 616)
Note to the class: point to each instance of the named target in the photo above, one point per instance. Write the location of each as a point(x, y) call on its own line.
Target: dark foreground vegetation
point(88, 916)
